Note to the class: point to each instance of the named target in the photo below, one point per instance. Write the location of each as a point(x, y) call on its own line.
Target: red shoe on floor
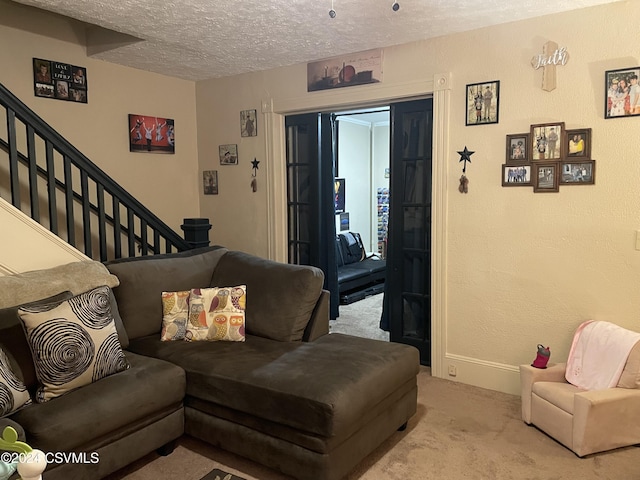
point(542, 358)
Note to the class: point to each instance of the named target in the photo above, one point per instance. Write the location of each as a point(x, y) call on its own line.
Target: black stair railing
point(68, 193)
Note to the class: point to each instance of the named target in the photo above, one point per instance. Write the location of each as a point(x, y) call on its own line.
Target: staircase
point(47, 178)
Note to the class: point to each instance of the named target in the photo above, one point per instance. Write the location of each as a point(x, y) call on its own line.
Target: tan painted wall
point(167, 184)
point(521, 268)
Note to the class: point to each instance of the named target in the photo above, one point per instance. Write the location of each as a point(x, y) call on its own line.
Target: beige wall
point(520, 268)
point(167, 184)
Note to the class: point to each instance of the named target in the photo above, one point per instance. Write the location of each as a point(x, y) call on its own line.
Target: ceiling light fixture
point(332, 13)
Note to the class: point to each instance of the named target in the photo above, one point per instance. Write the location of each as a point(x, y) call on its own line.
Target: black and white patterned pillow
point(73, 343)
point(13, 393)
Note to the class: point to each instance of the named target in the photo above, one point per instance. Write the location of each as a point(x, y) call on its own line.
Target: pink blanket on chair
point(598, 354)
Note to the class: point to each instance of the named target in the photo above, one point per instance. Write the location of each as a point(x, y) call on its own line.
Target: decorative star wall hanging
point(254, 182)
point(465, 156)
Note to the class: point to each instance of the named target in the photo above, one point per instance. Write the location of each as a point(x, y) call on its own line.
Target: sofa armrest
point(530, 375)
point(605, 419)
point(319, 322)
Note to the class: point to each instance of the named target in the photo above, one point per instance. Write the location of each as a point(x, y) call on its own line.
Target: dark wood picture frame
point(516, 175)
point(545, 177)
point(622, 93)
point(547, 142)
point(518, 148)
point(482, 103)
point(578, 143)
point(578, 172)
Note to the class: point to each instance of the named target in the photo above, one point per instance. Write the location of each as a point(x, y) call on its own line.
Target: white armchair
point(583, 421)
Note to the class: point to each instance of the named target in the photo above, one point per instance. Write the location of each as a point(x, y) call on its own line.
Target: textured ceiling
point(200, 39)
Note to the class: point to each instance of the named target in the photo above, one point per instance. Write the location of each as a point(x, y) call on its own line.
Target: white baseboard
point(482, 373)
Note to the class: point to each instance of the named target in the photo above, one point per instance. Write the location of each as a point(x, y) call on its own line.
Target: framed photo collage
point(548, 156)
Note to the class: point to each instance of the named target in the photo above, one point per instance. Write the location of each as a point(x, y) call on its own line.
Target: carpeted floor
point(459, 432)
point(361, 319)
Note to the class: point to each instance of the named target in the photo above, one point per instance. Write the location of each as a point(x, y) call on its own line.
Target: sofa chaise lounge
point(291, 396)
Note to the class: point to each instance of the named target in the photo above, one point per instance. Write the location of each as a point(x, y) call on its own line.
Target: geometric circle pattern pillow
point(175, 312)
point(13, 393)
point(73, 343)
point(217, 314)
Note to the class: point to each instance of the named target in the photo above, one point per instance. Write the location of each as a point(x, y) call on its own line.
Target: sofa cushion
point(143, 279)
point(175, 314)
point(89, 413)
point(322, 387)
point(560, 394)
point(13, 393)
point(630, 377)
point(73, 343)
point(280, 297)
point(217, 314)
point(14, 341)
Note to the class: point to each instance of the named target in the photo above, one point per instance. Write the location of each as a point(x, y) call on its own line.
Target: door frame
point(274, 112)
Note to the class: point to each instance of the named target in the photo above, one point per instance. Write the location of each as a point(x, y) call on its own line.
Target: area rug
point(217, 474)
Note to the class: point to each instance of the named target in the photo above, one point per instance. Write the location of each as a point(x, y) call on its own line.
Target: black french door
point(407, 301)
point(310, 142)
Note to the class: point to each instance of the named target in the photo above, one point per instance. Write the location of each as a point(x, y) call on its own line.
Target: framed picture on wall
point(545, 177)
point(578, 172)
point(518, 148)
point(210, 182)
point(228, 154)
point(248, 125)
point(483, 103)
point(59, 80)
point(578, 143)
point(623, 93)
point(516, 175)
point(149, 134)
point(547, 141)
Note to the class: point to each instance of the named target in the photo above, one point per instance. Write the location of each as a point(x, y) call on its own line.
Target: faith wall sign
point(550, 57)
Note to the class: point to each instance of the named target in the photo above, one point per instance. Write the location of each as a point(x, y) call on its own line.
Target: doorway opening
point(362, 171)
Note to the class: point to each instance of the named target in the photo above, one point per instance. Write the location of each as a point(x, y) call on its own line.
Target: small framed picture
point(545, 177)
point(517, 148)
point(210, 182)
point(149, 134)
point(516, 175)
point(578, 143)
point(547, 141)
point(248, 125)
point(483, 103)
point(578, 172)
point(623, 93)
point(228, 154)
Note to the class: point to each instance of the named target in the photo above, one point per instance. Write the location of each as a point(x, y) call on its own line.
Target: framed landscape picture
point(151, 134)
point(483, 103)
point(578, 172)
point(516, 175)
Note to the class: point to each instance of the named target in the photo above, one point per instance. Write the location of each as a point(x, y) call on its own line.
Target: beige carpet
point(459, 432)
point(361, 319)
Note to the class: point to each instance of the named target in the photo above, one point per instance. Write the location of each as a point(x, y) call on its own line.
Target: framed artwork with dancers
point(149, 134)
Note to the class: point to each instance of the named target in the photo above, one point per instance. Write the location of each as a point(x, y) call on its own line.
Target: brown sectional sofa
point(292, 397)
